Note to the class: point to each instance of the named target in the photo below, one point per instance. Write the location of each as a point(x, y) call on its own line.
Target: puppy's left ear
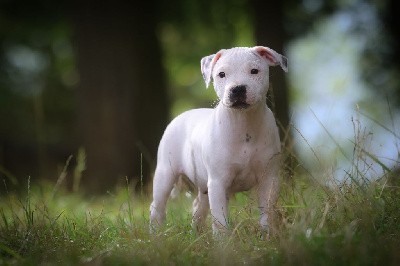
point(273, 58)
point(207, 65)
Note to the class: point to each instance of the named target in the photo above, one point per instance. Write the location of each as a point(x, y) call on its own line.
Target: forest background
point(101, 80)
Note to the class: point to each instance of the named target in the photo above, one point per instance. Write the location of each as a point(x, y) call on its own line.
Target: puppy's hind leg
point(267, 197)
point(164, 180)
point(201, 207)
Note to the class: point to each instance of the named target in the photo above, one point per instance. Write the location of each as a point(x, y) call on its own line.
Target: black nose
point(237, 97)
point(238, 93)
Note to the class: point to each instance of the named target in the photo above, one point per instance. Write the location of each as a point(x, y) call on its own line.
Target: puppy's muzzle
point(237, 97)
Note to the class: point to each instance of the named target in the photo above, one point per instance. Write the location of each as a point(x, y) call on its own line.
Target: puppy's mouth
point(240, 105)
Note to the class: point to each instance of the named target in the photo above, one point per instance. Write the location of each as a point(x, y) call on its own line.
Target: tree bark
point(122, 97)
point(269, 31)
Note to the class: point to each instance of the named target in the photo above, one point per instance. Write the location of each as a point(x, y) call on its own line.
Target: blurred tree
point(382, 67)
point(123, 106)
point(36, 95)
point(269, 31)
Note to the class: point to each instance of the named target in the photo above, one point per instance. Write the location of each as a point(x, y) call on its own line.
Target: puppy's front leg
point(218, 199)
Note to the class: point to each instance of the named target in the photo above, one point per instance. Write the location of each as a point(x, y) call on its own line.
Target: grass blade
point(9, 251)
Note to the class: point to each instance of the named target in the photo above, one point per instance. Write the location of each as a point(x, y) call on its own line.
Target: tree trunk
point(122, 97)
point(269, 31)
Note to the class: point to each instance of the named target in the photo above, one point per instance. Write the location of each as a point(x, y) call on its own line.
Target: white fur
point(231, 148)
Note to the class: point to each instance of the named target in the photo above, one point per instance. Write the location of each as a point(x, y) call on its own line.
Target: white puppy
point(228, 149)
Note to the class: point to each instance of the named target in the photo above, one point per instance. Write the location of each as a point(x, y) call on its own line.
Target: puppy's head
point(241, 75)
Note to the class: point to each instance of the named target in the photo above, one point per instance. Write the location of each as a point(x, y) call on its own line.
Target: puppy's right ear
point(207, 66)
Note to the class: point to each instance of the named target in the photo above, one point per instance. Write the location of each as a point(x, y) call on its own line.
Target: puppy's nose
point(237, 97)
point(238, 92)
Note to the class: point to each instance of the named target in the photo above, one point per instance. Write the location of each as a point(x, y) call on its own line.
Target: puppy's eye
point(254, 71)
point(221, 74)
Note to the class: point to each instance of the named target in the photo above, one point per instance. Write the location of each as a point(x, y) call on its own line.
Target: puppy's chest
point(248, 153)
point(248, 159)
point(248, 146)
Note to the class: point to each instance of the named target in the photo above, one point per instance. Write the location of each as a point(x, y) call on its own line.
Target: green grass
point(338, 225)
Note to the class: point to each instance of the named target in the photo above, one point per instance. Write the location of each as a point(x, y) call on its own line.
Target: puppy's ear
point(273, 58)
point(207, 66)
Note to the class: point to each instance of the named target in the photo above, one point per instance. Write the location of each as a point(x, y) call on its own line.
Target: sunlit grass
point(345, 225)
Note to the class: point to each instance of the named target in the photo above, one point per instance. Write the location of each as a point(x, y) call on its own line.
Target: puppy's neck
point(241, 119)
